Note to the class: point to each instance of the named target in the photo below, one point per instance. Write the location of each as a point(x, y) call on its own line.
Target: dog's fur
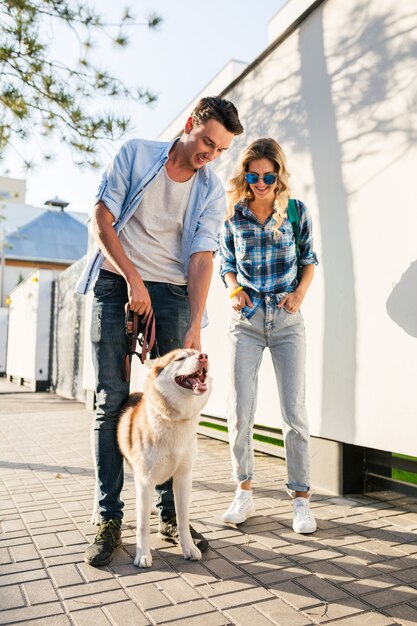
point(157, 436)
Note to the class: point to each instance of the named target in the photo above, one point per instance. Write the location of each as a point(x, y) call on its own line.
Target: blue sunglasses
point(268, 179)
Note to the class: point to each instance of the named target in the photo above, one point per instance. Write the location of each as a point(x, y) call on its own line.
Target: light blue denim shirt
point(133, 169)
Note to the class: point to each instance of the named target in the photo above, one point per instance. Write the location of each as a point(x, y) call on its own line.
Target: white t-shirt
point(152, 237)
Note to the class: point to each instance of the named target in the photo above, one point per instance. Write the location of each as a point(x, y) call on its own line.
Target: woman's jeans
point(283, 333)
point(171, 308)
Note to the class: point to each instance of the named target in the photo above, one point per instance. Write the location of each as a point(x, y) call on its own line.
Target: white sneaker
point(241, 508)
point(303, 521)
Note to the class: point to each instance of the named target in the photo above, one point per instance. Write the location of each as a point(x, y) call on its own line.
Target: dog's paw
point(143, 560)
point(191, 553)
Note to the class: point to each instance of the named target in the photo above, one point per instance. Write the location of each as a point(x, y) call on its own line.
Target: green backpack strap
point(293, 216)
point(292, 212)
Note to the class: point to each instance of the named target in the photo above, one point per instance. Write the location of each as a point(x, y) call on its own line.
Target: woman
point(259, 267)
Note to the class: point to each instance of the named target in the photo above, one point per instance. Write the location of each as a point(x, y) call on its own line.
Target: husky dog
point(157, 436)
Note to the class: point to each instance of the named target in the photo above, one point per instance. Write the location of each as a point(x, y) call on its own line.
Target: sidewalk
point(358, 569)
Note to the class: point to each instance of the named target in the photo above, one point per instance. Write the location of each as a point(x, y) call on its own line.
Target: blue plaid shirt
point(264, 265)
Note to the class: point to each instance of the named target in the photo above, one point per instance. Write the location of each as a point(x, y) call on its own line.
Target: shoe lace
point(303, 511)
point(108, 530)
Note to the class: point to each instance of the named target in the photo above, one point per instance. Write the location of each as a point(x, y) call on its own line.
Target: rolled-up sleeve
point(116, 180)
point(307, 254)
point(227, 251)
point(206, 237)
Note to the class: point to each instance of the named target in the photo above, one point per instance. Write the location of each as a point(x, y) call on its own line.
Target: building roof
point(15, 214)
point(53, 236)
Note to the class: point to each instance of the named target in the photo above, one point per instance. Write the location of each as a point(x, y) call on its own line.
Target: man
point(156, 222)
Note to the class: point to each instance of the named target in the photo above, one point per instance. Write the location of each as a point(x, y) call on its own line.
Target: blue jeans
point(283, 333)
point(171, 306)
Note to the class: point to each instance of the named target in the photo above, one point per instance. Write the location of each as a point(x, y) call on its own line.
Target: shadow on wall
point(358, 82)
point(402, 302)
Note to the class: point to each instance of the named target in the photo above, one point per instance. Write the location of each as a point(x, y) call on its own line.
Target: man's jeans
point(171, 308)
point(283, 333)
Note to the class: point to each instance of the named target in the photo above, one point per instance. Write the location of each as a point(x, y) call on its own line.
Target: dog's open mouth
point(196, 381)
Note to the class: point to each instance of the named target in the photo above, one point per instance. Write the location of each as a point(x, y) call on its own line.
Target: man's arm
point(200, 271)
point(109, 244)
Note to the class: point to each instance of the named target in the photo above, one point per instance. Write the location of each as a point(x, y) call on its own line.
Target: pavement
point(358, 569)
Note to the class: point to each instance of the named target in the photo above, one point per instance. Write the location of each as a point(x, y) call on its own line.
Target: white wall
point(29, 328)
point(339, 94)
point(4, 322)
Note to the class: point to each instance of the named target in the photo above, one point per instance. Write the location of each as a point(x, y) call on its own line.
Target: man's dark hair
point(224, 111)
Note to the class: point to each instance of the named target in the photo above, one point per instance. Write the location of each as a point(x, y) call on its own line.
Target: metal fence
point(67, 332)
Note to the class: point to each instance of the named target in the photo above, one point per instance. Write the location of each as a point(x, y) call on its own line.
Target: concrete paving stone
point(321, 554)
point(28, 614)
point(237, 555)
point(223, 569)
point(295, 595)
point(294, 549)
point(125, 614)
point(16, 573)
point(354, 567)
point(359, 552)
point(12, 526)
point(403, 614)
point(322, 588)
point(70, 537)
point(96, 599)
point(5, 556)
point(258, 567)
point(407, 575)
point(178, 590)
point(365, 619)
point(55, 620)
point(11, 597)
point(178, 612)
point(220, 587)
point(149, 596)
point(281, 614)
point(336, 610)
point(39, 591)
point(366, 585)
point(90, 617)
point(259, 551)
point(82, 588)
point(248, 616)
point(55, 513)
point(130, 575)
point(343, 539)
point(65, 575)
point(47, 540)
point(209, 619)
point(330, 571)
point(33, 516)
point(382, 549)
point(278, 576)
point(393, 595)
point(63, 555)
point(8, 542)
point(266, 539)
point(92, 574)
point(46, 528)
point(407, 548)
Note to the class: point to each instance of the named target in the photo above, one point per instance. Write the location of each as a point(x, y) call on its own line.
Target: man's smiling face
point(205, 143)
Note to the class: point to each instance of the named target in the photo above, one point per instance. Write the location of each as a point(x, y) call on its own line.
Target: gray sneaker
point(100, 552)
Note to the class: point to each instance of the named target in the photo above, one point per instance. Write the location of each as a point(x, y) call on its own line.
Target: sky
point(194, 42)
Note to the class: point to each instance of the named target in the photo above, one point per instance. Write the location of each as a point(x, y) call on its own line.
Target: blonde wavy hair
point(240, 192)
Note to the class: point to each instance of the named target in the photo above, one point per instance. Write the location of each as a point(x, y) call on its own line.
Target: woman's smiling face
point(260, 189)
